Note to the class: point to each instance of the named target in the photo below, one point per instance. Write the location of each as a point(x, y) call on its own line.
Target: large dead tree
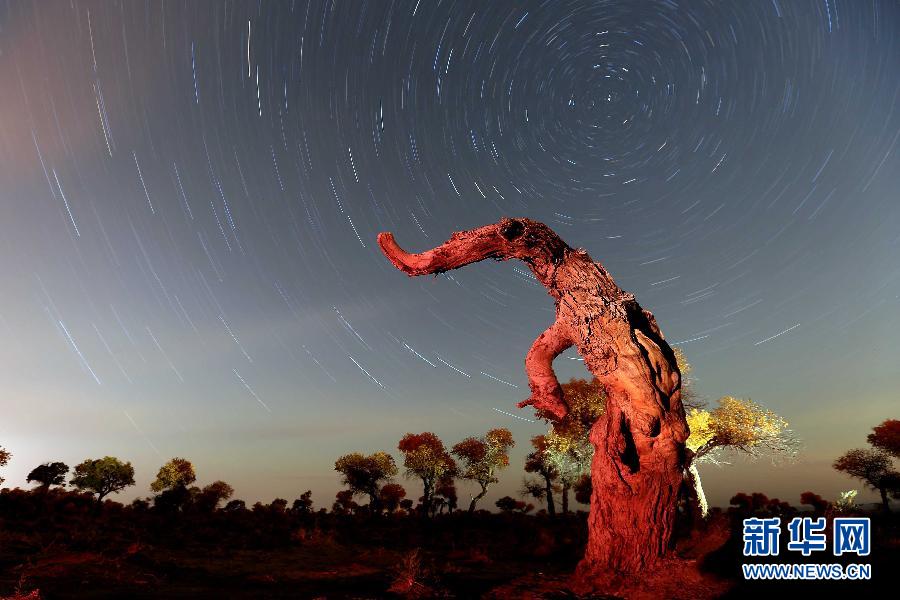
point(639, 456)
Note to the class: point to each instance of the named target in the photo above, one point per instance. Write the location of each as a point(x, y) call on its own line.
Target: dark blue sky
point(190, 194)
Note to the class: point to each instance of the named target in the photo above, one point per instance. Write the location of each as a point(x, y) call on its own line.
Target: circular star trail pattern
point(191, 193)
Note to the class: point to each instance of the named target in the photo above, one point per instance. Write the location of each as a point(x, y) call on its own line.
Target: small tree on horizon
point(508, 504)
point(177, 472)
point(171, 485)
point(303, 504)
point(818, 504)
point(235, 506)
point(47, 474)
point(211, 496)
point(343, 502)
point(425, 457)
point(873, 467)
point(364, 474)
point(391, 495)
point(102, 476)
point(482, 458)
point(538, 462)
point(846, 501)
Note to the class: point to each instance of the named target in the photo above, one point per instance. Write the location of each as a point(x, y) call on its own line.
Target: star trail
point(190, 194)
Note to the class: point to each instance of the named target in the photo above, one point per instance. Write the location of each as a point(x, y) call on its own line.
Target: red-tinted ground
point(58, 545)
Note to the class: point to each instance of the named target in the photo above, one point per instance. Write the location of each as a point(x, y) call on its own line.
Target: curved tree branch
point(532, 242)
point(546, 393)
point(461, 249)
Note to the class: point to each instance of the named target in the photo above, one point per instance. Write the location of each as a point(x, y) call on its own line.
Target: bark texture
point(639, 456)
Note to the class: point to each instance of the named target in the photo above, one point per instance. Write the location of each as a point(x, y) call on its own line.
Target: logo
point(761, 536)
point(807, 535)
point(852, 536)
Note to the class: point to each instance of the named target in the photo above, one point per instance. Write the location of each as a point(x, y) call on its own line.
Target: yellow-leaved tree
point(567, 446)
point(735, 425)
point(482, 458)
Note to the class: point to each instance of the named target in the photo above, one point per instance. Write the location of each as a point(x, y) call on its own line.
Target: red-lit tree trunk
point(639, 456)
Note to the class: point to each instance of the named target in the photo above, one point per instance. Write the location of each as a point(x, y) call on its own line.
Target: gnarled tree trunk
point(639, 456)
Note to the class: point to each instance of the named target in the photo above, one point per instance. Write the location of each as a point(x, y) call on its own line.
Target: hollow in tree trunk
point(639, 456)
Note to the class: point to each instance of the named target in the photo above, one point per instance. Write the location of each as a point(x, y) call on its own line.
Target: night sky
point(190, 194)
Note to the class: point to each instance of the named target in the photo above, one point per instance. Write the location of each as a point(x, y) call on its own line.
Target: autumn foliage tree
point(47, 474)
point(176, 473)
point(735, 425)
point(171, 485)
point(886, 437)
point(425, 458)
point(365, 474)
point(482, 458)
point(391, 495)
point(874, 468)
point(538, 461)
point(567, 444)
point(102, 476)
